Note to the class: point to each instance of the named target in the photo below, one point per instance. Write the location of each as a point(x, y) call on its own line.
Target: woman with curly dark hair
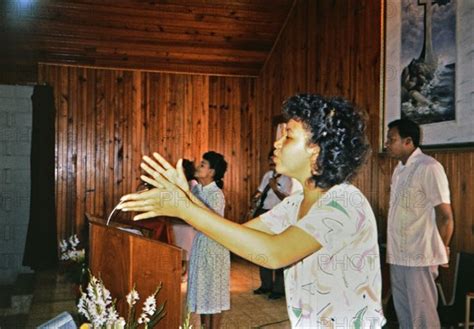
point(326, 234)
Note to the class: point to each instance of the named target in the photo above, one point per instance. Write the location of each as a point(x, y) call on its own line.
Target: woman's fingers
point(164, 169)
point(132, 196)
point(134, 204)
point(153, 173)
point(180, 170)
point(151, 167)
point(162, 161)
point(182, 181)
point(146, 215)
point(161, 167)
point(167, 194)
point(179, 165)
point(140, 195)
point(139, 209)
point(151, 181)
point(163, 179)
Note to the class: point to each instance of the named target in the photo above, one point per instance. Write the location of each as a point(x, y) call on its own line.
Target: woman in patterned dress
point(326, 234)
point(209, 265)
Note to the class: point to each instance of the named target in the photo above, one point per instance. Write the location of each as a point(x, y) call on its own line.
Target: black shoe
point(261, 291)
point(275, 295)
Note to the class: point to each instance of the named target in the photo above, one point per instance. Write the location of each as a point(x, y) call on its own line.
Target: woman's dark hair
point(216, 162)
point(339, 131)
point(189, 169)
point(407, 128)
point(270, 154)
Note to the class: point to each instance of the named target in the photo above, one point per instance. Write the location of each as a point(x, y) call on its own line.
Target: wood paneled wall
point(107, 119)
point(332, 47)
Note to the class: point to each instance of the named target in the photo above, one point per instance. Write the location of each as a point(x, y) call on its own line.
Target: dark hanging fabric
point(41, 242)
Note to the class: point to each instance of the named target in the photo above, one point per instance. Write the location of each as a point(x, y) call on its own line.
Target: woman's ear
point(212, 172)
point(314, 151)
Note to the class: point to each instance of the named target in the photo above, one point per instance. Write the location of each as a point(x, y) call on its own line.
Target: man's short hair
point(407, 128)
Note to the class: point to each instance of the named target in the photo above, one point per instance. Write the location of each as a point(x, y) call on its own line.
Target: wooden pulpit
point(123, 259)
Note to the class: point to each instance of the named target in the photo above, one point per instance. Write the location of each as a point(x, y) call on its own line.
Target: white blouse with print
point(339, 286)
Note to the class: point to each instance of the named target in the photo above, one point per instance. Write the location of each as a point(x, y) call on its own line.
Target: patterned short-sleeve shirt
point(339, 286)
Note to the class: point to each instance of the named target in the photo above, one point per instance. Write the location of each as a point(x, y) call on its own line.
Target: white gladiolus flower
point(143, 319)
point(119, 323)
point(98, 308)
point(112, 313)
point(132, 297)
point(74, 241)
point(109, 324)
point(82, 306)
point(97, 305)
point(149, 308)
point(63, 245)
point(68, 249)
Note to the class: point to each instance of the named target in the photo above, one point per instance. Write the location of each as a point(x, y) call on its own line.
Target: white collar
point(412, 158)
point(210, 186)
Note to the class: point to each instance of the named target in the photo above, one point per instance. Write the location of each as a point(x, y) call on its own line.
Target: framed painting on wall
point(428, 69)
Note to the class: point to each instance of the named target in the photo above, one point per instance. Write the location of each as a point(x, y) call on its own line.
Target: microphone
point(142, 187)
point(112, 212)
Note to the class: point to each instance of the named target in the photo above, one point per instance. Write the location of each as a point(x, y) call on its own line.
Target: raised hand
point(169, 195)
point(164, 168)
point(166, 200)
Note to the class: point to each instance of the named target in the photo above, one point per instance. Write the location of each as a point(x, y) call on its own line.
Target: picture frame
point(428, 77)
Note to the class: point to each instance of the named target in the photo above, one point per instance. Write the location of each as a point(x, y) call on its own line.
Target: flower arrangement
point(69, 252)
point(73, 260)
point(97, 306)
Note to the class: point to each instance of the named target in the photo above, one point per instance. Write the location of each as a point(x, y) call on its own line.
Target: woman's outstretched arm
point(262, 248)
point(272, 251)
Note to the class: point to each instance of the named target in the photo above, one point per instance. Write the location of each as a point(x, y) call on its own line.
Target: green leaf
point(159, 314)
point(155, 319)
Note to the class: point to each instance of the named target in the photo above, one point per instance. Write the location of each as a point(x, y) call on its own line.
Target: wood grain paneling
point(235, 130)
point(212, 37)
point(336, 46)
point(108, 119)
